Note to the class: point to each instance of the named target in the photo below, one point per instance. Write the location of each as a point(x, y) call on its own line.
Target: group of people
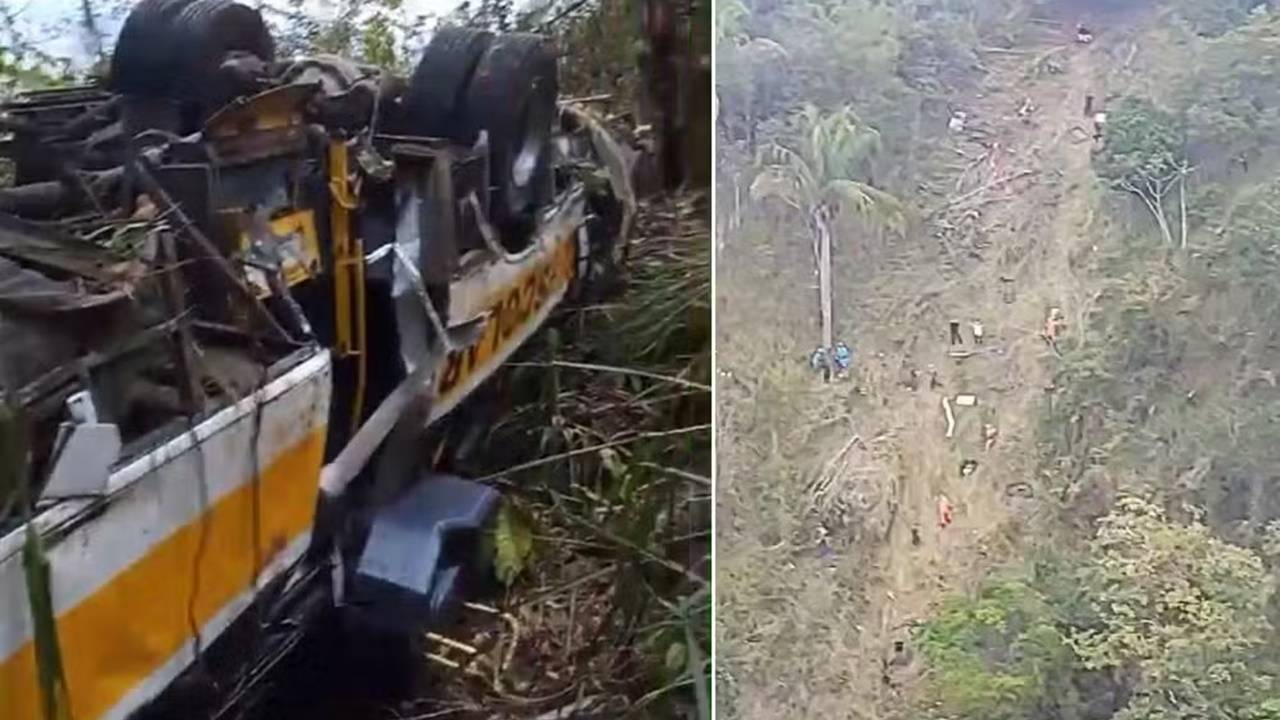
point(975, 326)
point(835, 359)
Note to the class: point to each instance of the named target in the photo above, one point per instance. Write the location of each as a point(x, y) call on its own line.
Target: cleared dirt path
point(808, 627)
point(1019, 220)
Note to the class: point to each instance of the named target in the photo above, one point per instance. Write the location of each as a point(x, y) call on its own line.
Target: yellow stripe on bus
point(508, 312)
point(124, 631)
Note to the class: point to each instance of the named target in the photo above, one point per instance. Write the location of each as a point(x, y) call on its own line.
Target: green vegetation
point(1144, 155)
point(998, 655)
point(1173, 388)
point(1142, 374)
point(1135, 577)
point(1154, 618)
point(613, 414)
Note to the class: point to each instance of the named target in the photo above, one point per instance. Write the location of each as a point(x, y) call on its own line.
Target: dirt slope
point(1018, 204)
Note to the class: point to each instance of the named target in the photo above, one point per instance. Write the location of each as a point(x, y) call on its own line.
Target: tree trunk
point(1165, 231)
point(1182, 206)
point(824, 281)
point(1157, 211)
point(735, 221)
point(662, 85)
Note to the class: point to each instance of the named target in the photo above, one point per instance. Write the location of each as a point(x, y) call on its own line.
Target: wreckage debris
point(184, 252)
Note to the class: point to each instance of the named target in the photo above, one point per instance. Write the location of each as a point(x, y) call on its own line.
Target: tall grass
point(605, 458)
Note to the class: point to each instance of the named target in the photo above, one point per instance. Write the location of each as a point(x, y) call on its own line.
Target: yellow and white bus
point(398, 268)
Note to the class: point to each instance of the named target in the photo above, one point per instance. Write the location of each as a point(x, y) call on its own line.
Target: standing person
point(989, 435)
point(978, 332)
point(843, 356)
point(1025, 109)
point(946, 513)
point(818, 359)
point(842, 353)
point(1088, 105)
point(956, 337)
point(1053, 327)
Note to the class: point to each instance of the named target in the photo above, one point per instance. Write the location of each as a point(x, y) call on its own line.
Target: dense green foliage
point(1227, 91)
point(1155, 620)
point(884, 59)
point(997, 655)
point(1212, 18)
point(1166, 390)
point(1174, 377)
point(1145, 155)
point(825, 171)
point(1144, 144)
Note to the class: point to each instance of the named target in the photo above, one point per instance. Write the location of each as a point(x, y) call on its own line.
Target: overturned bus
point(236, 293)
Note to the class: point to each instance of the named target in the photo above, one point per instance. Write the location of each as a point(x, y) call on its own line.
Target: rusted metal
point(268, 124)
point(210, 250)
point(309, 146)
point(50, 250)
point(72, 371)
point(182, 341)
point(39, 200)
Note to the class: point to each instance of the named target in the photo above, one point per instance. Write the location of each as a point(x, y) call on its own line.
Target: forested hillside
point(1075, 517)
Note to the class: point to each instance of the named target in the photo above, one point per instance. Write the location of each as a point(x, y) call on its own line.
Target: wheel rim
point(536, 124)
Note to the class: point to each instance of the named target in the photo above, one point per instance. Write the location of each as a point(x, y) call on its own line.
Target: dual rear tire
point(173, 49)
point(471, 80)
point(466, 81)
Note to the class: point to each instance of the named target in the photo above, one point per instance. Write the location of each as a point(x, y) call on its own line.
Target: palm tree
point(820, 179)
point(731, 15)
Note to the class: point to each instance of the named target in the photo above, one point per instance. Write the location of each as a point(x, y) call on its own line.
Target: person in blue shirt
point(843, 357)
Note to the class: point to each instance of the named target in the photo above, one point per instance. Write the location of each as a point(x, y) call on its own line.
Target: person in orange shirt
point(946, 513)
point(1053, 325)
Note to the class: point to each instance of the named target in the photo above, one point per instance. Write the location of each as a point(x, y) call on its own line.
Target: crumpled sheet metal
point(45, 248)
point(335, 75)
point(618, 161)
point(32, 293)
point(35, 332)
point(347, 92)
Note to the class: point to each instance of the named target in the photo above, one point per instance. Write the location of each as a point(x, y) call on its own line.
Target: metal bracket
point(490, 236)
point(407, 570)
point(449, 342)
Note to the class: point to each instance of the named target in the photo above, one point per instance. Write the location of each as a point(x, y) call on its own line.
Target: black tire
point(172, 48)
point(438, 88)
point(206, 31)
point(513, 97)
point(141, 62)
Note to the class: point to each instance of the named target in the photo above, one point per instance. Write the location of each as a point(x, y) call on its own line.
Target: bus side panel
point(172, 551)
